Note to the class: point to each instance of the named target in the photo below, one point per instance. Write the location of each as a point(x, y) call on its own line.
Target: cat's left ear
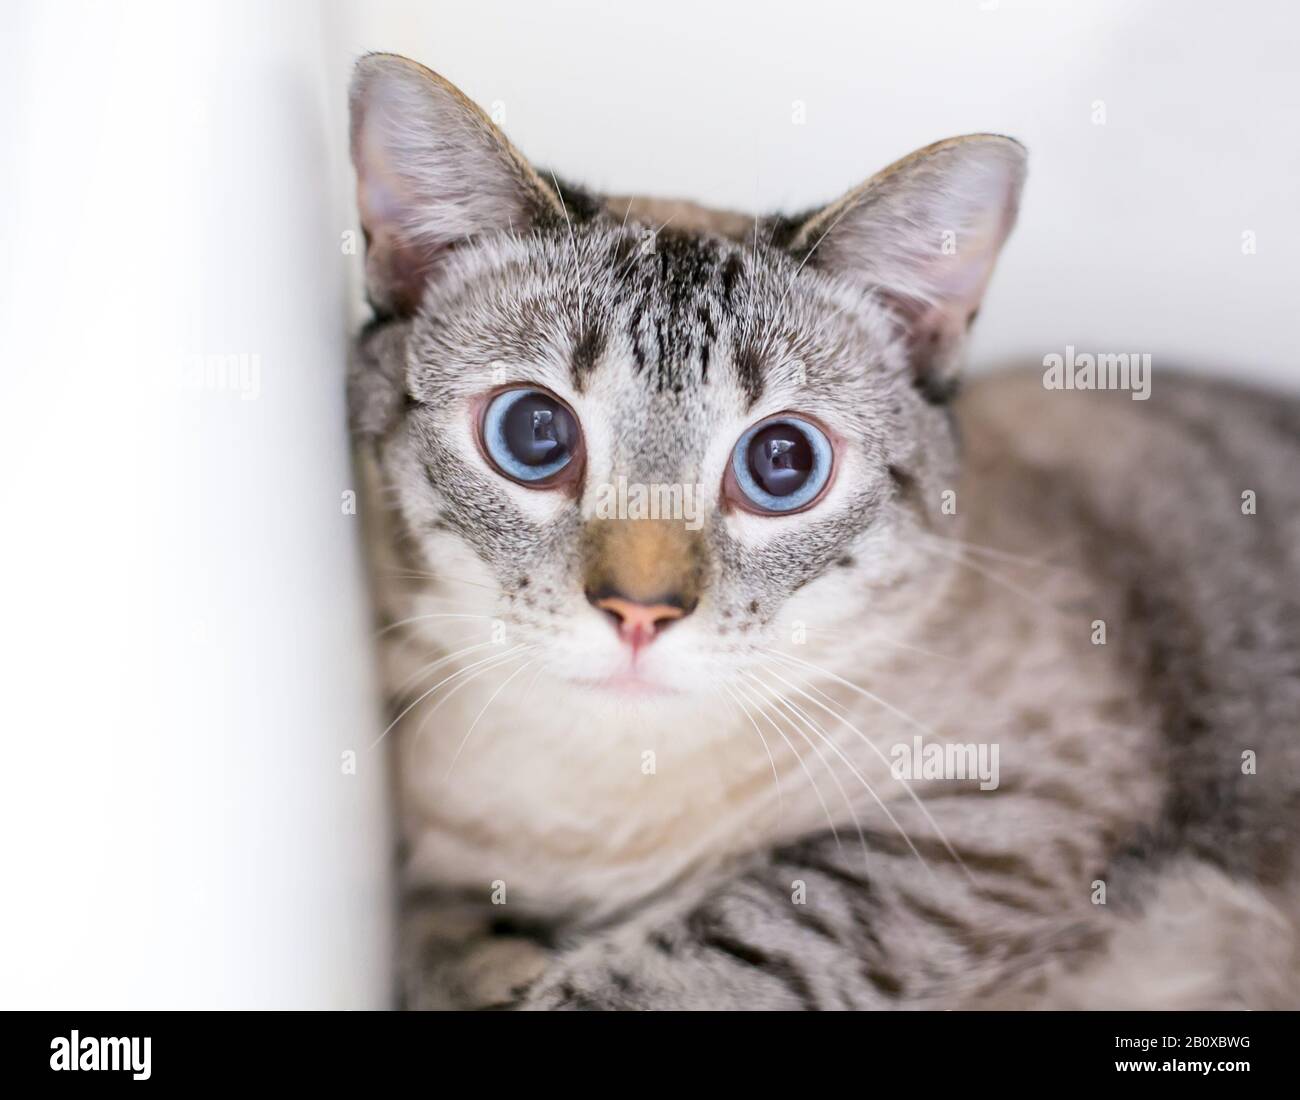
point(925, 234)
point(432, 170)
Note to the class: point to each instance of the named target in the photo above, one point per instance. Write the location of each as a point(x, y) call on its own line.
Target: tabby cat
point(736, 660)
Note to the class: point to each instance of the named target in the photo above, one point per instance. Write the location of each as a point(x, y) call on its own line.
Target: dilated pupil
point(537, 431)
point(780, 459)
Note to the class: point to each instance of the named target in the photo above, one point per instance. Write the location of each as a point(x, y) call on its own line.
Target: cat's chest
point(554, 806)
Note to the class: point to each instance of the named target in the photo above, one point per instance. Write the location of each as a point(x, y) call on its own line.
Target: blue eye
point(781, 465)
point(529, 436)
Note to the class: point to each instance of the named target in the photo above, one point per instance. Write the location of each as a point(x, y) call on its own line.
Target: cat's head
point(653, 454)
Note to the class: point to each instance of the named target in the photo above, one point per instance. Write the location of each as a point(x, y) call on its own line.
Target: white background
point(185, 637)
point(1130, 236)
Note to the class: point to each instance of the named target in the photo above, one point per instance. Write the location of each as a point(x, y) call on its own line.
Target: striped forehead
point(639, 321)
point(668, 302)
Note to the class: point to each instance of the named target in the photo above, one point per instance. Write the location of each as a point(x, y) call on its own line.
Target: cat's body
point(746, 841)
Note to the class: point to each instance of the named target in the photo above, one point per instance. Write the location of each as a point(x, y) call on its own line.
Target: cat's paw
point(452, 960)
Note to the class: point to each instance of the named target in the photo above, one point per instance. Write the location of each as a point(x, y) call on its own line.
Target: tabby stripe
point(780, 969)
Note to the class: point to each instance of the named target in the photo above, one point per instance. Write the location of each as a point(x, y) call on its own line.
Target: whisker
point(505, 658)
point(803, 764)
point(425, 589)
point(636, 254)
point(419, 673)
point(573, 242)
point(528, 691)
point(816, 728)
point(790, 285)
point(423, 600)
point(749, 306)
point(920, 805)
point(988, 574)
point(1002, 555)
point(826, 318)
point(776, 776)
point(435, 615)
point(862, 779)
point(881, 638)
point(757, 700)
point(491, 699)
point(431, 690)
point(417, 575)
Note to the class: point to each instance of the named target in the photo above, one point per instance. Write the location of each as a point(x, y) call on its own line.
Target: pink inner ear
point(960, 278)
point(396, 268)
point(432, 171)
point(970, 194)
point(375, 194)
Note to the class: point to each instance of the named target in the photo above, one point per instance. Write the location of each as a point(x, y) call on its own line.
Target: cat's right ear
point(924, 234)
point(432, 170)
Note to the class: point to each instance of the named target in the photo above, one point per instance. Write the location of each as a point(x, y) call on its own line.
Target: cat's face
point(647, 459)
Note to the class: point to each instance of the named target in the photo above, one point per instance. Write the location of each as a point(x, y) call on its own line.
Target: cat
point(733, 759)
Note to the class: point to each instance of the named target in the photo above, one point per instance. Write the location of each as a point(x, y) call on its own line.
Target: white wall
point(1131, 231)
point(185, 642)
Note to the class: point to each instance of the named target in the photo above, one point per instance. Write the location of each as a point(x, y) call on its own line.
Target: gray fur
point(1122, 763)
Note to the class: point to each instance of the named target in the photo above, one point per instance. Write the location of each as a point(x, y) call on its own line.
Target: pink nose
point(638, 623)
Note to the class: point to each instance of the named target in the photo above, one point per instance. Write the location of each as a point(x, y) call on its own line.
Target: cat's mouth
point(627, 682)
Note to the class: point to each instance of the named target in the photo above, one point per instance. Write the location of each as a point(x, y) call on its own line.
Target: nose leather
point(638, 622)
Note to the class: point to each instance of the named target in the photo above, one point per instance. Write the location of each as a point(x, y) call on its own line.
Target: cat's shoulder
point(1025, 410)
point(1027, 385)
